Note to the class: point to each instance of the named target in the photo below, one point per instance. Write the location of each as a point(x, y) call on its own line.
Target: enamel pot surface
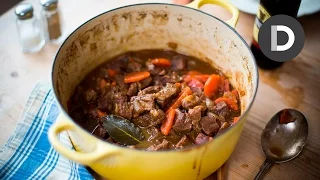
point(152, 26)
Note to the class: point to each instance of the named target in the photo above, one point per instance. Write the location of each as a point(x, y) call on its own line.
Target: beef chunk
point(203, 108)
point(182, 123)
point(201, 138)
point(170, 78)
point(119, 79)
point(124, 110)
point(142, 103)
point(178, 63)
point(144, 83)
point(173, 136)
point(155, 70)
point(120, 63)
point(165, 96)
point(142, 121)
point(184, 141)
point(209, 124)
point(221, 109)
point(90, 95)
point(190, 101)
point(121, 105)
point(163, 145)
point(120, 97)
point(110, 90)
point(210, 104)
point(157, 116)
point(149, 90)
point(153, 132)
point(91, 113)
point(219, 119)
point(133, 89)
point(105, 104)
point(195, 116)
point(134, 66)
point(197, 90)
point(162, 80)
point(175, 76)
point(154, 117)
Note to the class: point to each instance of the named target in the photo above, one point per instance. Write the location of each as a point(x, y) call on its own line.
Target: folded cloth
point(28, 153)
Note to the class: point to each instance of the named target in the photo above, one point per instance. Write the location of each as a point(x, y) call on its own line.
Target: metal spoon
point(282, 142)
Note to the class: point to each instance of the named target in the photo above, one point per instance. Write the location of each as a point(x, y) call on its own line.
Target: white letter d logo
point(274, 39)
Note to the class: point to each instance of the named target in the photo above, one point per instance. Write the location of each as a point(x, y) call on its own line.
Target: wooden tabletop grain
point(295, 85)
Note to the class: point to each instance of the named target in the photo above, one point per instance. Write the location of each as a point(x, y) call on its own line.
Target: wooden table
point(295, 85)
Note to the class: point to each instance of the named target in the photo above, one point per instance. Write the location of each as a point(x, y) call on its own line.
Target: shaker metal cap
point(24, 11)
point(49, 5)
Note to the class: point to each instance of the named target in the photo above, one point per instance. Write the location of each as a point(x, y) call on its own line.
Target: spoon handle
point(264, 168)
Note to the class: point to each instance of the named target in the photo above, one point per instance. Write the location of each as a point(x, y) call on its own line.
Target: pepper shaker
point(29, 29)
point(52, 21)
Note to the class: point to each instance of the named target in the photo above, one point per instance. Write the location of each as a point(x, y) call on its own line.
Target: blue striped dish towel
point(28, 153)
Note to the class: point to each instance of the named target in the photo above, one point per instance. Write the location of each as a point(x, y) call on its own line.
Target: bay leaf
point(122, 130)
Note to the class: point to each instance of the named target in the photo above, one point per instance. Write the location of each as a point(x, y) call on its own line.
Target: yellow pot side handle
point(85, 158)
point(223, 3)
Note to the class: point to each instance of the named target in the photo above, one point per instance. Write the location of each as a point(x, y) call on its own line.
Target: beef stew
point(172, 100)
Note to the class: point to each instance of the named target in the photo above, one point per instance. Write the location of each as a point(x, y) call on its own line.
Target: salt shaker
point(29, 29)
point(52, 21)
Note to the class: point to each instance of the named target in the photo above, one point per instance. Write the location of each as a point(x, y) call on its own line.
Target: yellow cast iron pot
point(152, 26)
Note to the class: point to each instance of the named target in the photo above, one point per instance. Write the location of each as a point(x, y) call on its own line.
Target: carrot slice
point(136, 76)
point(113, 83)
point(101, 114)
point(103, 83)
point(235, 93)
point(161, 62)
point(235, 119)
point(194, 73)
point(230, 102)
point(212, 85)
point(112, 72)
point(187, 78)
point(168, 122)
point(184, 93)
point(203, 78)
point(178, 85)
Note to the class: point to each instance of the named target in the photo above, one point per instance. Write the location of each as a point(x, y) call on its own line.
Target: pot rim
point(166, 4)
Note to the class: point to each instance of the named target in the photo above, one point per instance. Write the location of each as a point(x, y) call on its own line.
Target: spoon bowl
point(283, 138)
point(283, 142)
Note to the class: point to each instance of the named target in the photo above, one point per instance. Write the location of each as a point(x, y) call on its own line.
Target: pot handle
point(85, 158)
point(223, 3)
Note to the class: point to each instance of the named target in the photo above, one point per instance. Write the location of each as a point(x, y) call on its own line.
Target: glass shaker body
point(30, 33)
point(53, 25)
